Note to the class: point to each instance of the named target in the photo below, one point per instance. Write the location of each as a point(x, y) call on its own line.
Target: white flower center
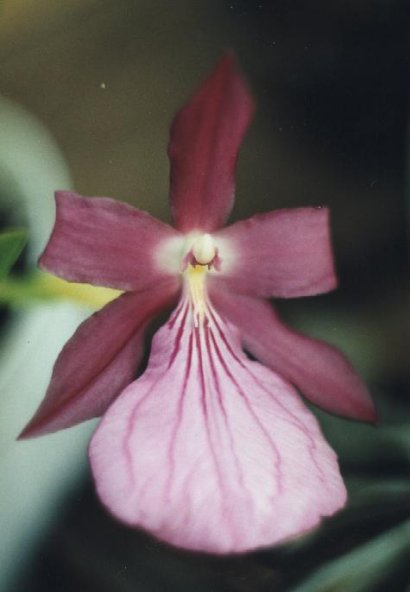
point(201, 254)
point(213, 253)
point(203, 249)
point(195, 290)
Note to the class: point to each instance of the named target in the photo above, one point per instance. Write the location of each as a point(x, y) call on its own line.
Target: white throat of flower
point(204, 250)
point(203, 253)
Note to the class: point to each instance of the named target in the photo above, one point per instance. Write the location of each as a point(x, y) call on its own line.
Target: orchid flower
point(208, 450)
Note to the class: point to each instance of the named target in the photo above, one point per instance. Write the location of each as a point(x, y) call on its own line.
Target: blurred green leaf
point(320, 561)
point(363, 568)
point(12, 243)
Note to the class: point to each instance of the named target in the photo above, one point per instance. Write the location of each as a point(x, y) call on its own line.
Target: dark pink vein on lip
point(252, 413)
point(205, 410)
point(180, 412)
point(131, 426)
point(295, 420)
point(209, 336)
point(179, 336)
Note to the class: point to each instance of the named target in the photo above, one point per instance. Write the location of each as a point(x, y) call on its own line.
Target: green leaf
point(12, 242)
point(364, 568)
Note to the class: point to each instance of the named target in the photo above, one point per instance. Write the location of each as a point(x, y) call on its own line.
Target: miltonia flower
point(208, 450)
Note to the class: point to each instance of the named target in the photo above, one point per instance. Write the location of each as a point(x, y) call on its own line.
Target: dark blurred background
point(105, 78)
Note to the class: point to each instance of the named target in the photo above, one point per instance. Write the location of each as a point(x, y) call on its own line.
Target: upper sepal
point(205, 139)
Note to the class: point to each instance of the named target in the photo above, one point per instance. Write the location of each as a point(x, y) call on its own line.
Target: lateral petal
point(203, 149)
point(98, 362)
point(105, 242)
point(319, 370)
point(285, 253)
point(210, 451)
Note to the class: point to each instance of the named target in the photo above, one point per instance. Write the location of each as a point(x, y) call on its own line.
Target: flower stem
point(42, 287)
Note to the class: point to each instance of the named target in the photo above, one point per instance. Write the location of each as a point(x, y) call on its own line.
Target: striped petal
point(286, 253)
point(99, 361)
point(203, 149)
point(319, 370)
point(210, 451)
point(105, 242)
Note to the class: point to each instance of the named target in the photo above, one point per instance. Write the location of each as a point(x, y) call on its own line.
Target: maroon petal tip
point(32, 430)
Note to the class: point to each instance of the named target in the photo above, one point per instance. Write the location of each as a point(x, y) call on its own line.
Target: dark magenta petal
point(105, 242)
point(227, 460)
point(205, 140)
point(285, 253)
point(319, 370)
point(98, 361)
